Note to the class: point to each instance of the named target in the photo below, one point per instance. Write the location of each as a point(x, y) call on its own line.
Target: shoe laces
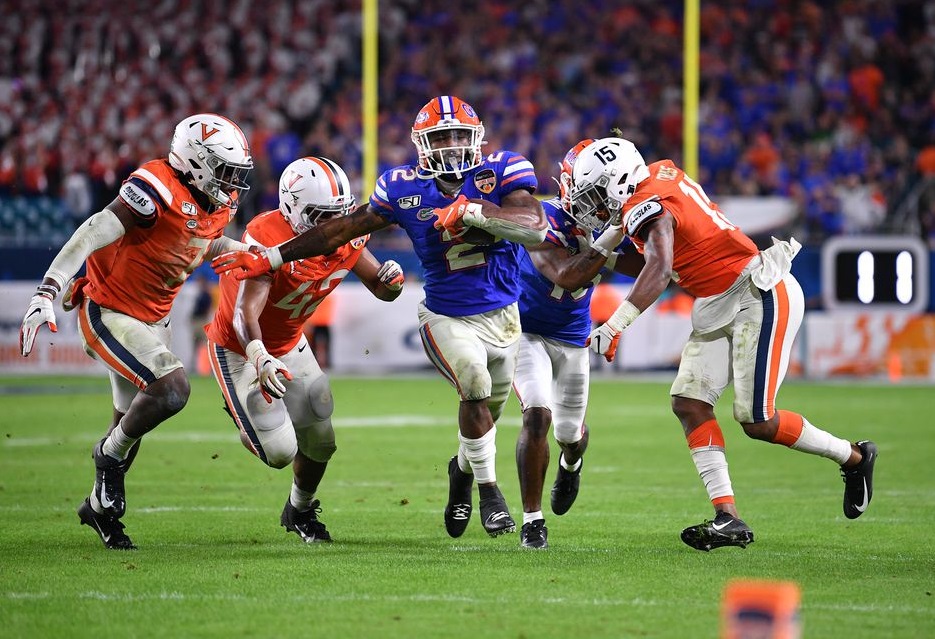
point(460, 511)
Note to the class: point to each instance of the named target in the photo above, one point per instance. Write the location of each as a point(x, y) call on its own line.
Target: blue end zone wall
point(30, 263)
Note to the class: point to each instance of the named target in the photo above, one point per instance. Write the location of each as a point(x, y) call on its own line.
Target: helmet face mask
point(212, 152)
point(312, 190)
point(604, 177)
point(448, 135)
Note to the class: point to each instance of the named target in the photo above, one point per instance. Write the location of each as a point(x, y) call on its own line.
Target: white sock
point(118, 444)
point(528, 517)
point(300, 499)
point(573, 467)
point(711, 462)
point(481, 454)
point(819, 442)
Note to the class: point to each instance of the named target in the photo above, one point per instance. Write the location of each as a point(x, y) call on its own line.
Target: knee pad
point(270, 430)
point(316, 441)
point(320, 398)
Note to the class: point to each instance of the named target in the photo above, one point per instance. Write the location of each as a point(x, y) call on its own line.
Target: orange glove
point(252, 263)
point(449, 217)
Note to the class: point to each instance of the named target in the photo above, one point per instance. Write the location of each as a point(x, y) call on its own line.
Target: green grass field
point(214, 562)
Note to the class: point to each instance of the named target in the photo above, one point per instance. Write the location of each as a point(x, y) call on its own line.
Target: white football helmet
point(213, 153)
point(311, 190)
point(448, 135)
point(604, 177)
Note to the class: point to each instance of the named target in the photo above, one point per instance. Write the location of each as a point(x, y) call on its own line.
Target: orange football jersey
point(709, 251)
point(141, 273)
point(298, 287)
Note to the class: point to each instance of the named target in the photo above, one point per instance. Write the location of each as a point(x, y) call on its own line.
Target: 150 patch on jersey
point(138, 200)
point(641, 213)
point(409, 201)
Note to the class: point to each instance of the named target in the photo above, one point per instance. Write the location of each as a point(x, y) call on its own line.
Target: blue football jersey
point(545, 308)
point(460, 278)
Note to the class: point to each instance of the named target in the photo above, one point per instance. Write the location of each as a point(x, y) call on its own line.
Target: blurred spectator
point(797, 98)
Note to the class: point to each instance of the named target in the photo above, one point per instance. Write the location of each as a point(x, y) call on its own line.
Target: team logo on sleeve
point(485, 181)
point(409, 202)
point(640, 213)
point(192, 224)
point(358, 242)
point(424, 214)
point(138, 200)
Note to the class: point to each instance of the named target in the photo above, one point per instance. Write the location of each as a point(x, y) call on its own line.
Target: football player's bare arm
point(251, 300)
point(325, 238)
point(571, 272)
point(656, 274)
point(519, 218)
point(630, 262)
point(382, 285)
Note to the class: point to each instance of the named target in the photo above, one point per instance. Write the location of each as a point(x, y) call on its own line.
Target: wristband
point(623, 316)
point(611, 260)
point(608, 240)
point(274, 256)
point(47, 290)
point(255, 350)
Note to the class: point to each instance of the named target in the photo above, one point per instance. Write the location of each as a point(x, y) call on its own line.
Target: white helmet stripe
point(446, 107)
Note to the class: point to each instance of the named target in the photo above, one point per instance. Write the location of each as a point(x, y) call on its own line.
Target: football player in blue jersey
point(467, 216)
point(553, 368)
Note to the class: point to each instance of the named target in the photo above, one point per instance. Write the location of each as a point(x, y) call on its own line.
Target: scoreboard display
point(875, 272)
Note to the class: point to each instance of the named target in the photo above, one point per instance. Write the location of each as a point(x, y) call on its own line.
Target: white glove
point(604, 339)
point(39, 312)
point(391, 274)
point(268, 369)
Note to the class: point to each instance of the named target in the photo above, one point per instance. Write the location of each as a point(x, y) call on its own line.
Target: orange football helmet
point(448, 135)
point(566, 166)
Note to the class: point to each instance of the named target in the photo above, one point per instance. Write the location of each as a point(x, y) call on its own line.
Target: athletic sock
point(481, 454)
point(528, 517)
point(300, 499)
point(574, 467)
point(118, 444)
point(706, 443)
point(798, 433)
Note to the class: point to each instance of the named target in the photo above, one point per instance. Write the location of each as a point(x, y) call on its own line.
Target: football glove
point(603, 340)
point(251, 263)
point(74, 294)
point(38, 313)
point(450, 217)
point(391, 275)
point(268, 369)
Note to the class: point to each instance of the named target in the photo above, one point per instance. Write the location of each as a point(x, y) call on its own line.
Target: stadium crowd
point(829, 103)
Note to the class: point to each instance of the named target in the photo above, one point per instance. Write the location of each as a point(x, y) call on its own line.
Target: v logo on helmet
point(205, 133)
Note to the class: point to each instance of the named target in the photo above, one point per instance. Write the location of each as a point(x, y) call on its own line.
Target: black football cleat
point(108, 528)
point(305, 524)
point(724, 530)
point(565, 488)
point(858, 481)
point(108, 482)
point(534, 535)
point(459, 507)
point(495, 515)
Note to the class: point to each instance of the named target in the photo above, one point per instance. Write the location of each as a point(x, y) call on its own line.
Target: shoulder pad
point(642, 213)
point(141, 202)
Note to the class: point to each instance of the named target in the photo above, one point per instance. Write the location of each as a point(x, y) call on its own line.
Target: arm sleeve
point(224, 244)
point(98, 231)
